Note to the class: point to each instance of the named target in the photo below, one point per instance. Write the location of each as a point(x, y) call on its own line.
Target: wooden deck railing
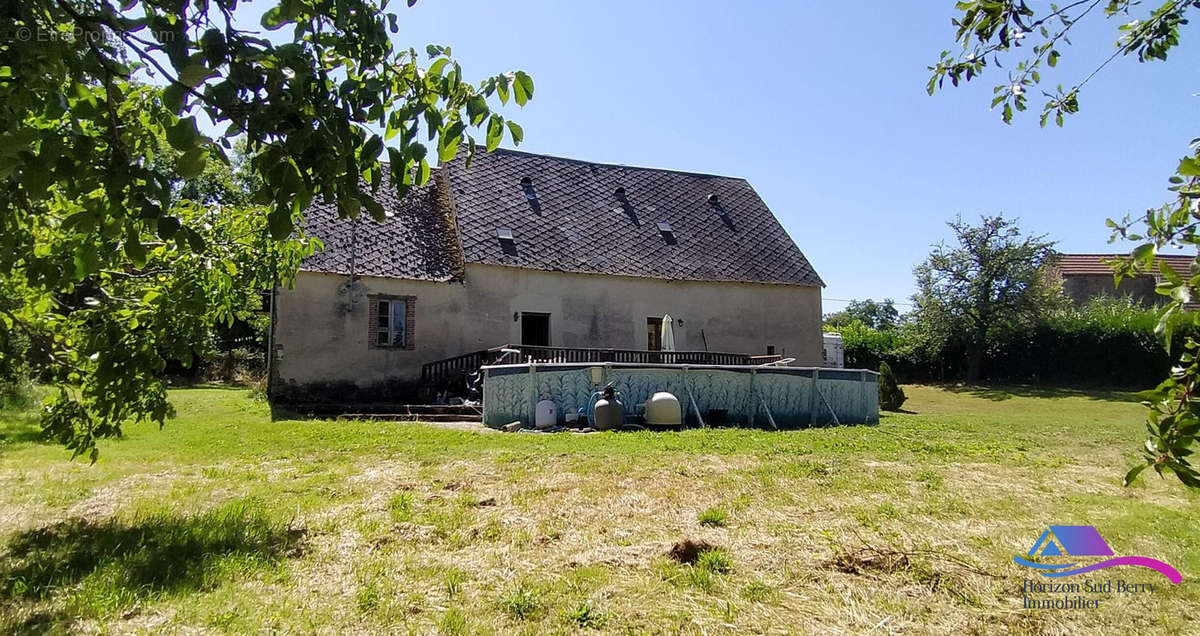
point(466, 363)
point(636, 356)
point(470, 362)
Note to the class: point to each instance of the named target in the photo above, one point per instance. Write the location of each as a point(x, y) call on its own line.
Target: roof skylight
point(668, 234)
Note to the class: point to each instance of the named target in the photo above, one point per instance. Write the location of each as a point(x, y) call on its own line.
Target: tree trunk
point(975, 351)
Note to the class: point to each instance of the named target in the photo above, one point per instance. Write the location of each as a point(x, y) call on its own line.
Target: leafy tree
point(119, 260)
point(891, 396)
point(876, 315)
point(1032, 41)
point(991, 280)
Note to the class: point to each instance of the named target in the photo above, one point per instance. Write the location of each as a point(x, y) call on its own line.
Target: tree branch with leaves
point(119, 262)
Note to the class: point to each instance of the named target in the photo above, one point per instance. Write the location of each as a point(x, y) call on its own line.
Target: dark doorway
point(654, 334)
point(535, 329)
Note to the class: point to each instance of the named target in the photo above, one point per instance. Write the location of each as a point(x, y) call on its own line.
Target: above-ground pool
point(767, 396)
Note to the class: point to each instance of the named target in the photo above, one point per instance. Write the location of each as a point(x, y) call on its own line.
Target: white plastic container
point(834, 353)
point(545, 414)
point(662, 409)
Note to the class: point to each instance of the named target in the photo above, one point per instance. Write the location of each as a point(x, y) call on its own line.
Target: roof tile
point(1096, 264)
point(416, 242)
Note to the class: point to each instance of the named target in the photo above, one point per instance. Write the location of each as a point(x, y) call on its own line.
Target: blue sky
point(823, 109)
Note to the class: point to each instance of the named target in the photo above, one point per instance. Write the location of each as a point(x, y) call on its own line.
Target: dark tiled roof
point(575, 223)
point(1094, 264)
point(578, 224)
point(417, 242)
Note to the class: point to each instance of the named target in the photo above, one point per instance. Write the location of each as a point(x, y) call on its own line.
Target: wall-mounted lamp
point(516, 316)
point(679, 321)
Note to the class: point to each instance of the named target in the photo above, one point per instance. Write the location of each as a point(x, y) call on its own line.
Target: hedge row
point(1106, 343)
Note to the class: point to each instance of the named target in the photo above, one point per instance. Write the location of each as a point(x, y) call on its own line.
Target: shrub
point(891, 396)
point(16, 395)
point(16, 389)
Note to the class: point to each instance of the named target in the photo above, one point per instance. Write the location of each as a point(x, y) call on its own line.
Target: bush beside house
point(891, 396)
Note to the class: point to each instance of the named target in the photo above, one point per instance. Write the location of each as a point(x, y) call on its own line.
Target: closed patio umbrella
point(668, 333)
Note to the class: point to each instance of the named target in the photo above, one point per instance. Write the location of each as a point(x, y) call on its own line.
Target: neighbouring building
point(1087, 276)
point(544, 252)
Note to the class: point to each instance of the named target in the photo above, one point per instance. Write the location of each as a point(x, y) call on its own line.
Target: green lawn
point(227, 521)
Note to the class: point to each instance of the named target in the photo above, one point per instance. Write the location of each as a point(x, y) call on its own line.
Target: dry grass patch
point(907, 526)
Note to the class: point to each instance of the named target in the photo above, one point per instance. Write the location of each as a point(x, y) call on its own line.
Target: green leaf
point(423, 172)
point(522, 88)
point(518, 133)
point(183, 135)
point(174, 97)
point(449, 141)
point(371, 149)
point(1134, 472)
point(87, 261)
point(1166, 326)
point(194, 75)
point(1144, 254)
point(502, 88)
point(195, 241)
point(133, 246)
point(1169, 273)
point(1182, 294)
point(433, 121)
point(274, 18)
point(8, 165)
point(477, 109)
point(1189, 167)
point(191, 163)
point(435, 69)
point(167, 227)
point(84, 94)
point(374, 208)
point(280, 222)
point(495, 132)
point(394, 126)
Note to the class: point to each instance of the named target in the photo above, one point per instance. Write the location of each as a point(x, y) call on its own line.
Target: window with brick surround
point(391, 322)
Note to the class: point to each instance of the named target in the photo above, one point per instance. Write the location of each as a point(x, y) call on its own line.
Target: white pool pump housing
point(545, 414)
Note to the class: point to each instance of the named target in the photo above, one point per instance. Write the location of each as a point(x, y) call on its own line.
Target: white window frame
point(391, 325)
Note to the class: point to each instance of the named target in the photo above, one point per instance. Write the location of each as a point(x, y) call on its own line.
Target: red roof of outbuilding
point(1096, 264)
